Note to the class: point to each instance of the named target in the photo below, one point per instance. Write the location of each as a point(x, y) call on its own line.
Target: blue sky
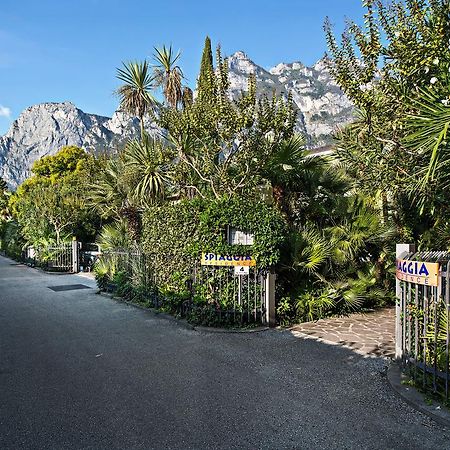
point(69, 49)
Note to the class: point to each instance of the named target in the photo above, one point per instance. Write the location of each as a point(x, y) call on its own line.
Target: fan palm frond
point(429, 130)
point(114, 236)
point(316, 250)
point(108, 195)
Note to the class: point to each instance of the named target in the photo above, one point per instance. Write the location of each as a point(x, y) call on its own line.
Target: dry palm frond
point(168, 75)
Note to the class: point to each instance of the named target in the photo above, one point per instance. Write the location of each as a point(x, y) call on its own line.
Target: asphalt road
point(78, 370)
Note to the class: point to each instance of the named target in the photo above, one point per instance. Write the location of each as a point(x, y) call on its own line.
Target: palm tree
point(348, 257)
point(428, 132)
point(114, 236)
point(168, 75)
point(135, 96)
point(112, 195)
point(148, 161)
point(109, 195)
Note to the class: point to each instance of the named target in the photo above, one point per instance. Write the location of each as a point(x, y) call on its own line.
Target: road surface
point(79, 370)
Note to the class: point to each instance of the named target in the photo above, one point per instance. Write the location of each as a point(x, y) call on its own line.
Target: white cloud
point(4, 111)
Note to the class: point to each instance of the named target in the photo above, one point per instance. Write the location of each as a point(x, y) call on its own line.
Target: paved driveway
point(78, 370)
point(371, 333)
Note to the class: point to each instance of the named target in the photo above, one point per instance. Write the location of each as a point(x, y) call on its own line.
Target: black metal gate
point(55, 258)
point(241, 296)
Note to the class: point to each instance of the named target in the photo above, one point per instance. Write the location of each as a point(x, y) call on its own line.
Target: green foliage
point(67, 160)
point(205, 86)
point(311, 306)
point(173, 246)
point(148, 163)
point(110, 192)
point(246, 214)
point(132, 180)
point(11, 239)
point(223, 145)
point(113, 236)
point(52, 203)
point(285, 311)
point(4, 200)
point(359, 236)
point(395, 69)
point(123, 286)
point(338, 265)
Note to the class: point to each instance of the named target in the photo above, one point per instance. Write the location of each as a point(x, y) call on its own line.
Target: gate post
point(75, 261)
point(270, 299)
point(400, 250)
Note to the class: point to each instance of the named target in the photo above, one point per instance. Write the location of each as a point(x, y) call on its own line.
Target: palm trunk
point(141, 120)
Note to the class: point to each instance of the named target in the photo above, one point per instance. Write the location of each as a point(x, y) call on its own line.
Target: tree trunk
point(385, 206)
point(58, 235)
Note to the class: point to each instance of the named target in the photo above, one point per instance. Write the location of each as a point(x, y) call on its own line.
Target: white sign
point(238, 237)
point(241, 270)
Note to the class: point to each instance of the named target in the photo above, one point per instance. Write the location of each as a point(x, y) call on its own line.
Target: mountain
point(43, 129)
point(322, 106)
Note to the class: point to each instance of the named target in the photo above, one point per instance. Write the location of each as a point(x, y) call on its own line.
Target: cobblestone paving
point(370, 333)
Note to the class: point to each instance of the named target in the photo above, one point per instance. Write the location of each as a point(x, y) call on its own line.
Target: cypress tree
point(205, 83)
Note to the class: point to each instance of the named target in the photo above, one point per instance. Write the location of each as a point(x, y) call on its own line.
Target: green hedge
point(177, 233)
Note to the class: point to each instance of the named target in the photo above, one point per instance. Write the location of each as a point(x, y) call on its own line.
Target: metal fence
point(423, 314)
point(210, 294)
point(239, 297)
point(55, 258)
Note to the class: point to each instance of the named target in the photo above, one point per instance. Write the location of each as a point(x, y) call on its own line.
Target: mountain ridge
point(44, 128)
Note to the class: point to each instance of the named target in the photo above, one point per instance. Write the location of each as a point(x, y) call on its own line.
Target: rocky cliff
point(322, 106)
point(43, 129)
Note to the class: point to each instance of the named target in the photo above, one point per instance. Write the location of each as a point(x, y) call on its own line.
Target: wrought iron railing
point(55, 258)
point(425, 332)
point(204, 294)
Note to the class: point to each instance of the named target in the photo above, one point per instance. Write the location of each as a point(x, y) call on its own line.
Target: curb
point(415, 398)
point(230, 330)
point(153, 311)
point(182, 322)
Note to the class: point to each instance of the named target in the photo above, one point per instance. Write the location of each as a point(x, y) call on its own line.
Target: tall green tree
point(149, 163)
point(205, 82)
point(133, 179)
point(51, 205)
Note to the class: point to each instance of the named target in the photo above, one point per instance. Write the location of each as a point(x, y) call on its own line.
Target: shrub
point(11, 240)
